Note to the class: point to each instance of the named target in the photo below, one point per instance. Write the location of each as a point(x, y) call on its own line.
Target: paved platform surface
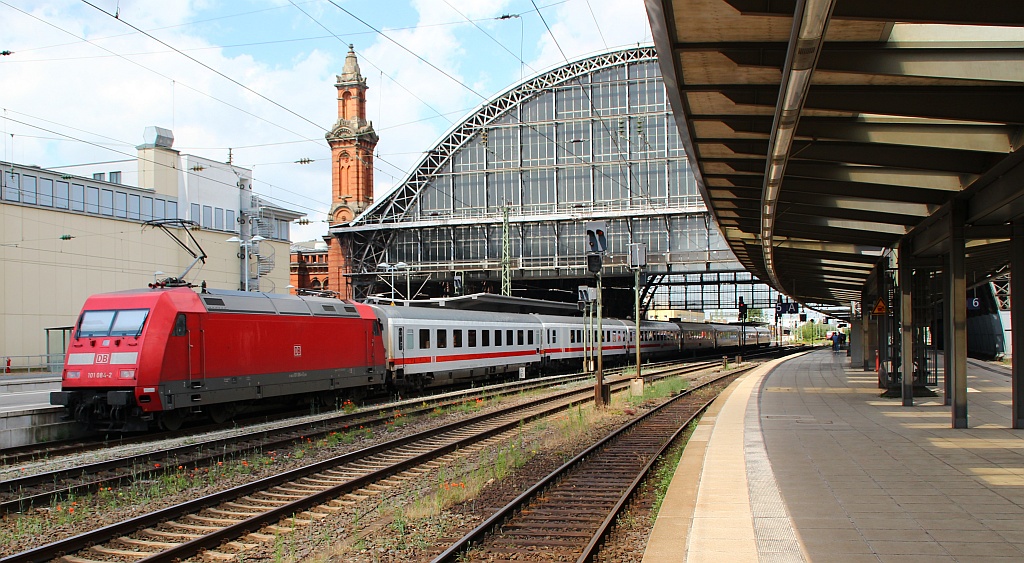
point(808, 463)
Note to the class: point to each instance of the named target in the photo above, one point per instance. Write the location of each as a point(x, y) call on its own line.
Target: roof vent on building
point(157, 137)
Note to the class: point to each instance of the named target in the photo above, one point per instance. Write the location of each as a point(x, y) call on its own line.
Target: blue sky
point(79, 72)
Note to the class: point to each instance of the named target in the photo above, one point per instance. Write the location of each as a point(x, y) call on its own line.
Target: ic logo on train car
point(102, 358)
point(297, 350)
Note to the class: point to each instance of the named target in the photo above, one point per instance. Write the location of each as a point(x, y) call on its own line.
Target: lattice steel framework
point(593, 139)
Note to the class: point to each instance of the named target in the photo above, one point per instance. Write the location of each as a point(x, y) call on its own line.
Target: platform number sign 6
point(974, 303)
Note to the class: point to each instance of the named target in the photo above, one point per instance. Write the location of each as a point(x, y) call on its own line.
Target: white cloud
point(80, 86)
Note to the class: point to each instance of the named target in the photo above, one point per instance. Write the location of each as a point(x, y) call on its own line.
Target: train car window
point(572, 337)
point(401, 338)
point(442, 338)
point(410, 342)
point(554, 337)
point(457, 338)
point(485, 338)
point(529, 336)
point(472, 338)
point(180, 325)
point(497, 338)
point(508, 338)
point(378, 328)
point(424, 338)
point(519, 337)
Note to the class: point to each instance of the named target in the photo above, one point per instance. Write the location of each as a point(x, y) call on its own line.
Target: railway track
point(230, 522)
point(21, 493)
point(566, 515)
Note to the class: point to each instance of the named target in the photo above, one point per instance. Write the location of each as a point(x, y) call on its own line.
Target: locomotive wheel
point(220, 414)
point(172, 420)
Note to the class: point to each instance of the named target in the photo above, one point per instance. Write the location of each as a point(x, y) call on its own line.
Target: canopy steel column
point(906, 274)
point(1017, 323)
point(956, 315)
point(883, 324)
point(866, 336)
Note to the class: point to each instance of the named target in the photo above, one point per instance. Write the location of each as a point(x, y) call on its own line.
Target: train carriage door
point(371, 339)
point(399, 345)
point(196, 367)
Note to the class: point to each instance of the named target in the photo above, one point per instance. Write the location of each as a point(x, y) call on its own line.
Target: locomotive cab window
point(96, 324)
point(180, 325)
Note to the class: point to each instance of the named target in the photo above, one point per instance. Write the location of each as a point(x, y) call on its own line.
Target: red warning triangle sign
point(880, 308)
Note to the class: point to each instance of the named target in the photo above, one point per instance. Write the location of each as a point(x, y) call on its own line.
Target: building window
point(218, 219)
point(172, 210)
point(77, 197)
point(46, 192)
point(207, 217)
point(61, 195)
point(315, 284)
point(11, 190)
point(159, 209)
point(194, 212)
point(147, 209)
point(282, 230)
point(229, 219)
point(92, 200)
point(101, 176)
point(106, 202)
point(28, 189)
point(424, 338)
point(120, 204)
point(115, 177)
point(133, 206)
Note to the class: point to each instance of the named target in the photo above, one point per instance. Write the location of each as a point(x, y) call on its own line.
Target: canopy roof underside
point(818, 152)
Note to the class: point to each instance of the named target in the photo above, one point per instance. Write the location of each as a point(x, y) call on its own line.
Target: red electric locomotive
point(165, 354)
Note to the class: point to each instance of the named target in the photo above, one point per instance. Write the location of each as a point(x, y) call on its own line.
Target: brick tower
point(352, 141)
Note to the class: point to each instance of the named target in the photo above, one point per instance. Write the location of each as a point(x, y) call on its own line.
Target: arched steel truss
point(367, 239)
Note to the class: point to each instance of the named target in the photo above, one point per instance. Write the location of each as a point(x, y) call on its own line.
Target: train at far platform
point(158, 357)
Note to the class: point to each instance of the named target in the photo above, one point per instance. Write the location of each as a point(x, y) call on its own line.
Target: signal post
point(597, 244)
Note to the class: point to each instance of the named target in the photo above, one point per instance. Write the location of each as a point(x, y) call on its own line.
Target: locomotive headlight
point(127, 374)
point(74, 375)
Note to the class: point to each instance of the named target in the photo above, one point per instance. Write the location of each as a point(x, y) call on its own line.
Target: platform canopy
point(824, 133)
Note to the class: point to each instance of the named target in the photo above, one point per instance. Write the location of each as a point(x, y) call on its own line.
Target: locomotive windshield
point(127, 322)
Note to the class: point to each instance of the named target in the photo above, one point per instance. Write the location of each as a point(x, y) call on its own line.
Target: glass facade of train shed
point(591, 140)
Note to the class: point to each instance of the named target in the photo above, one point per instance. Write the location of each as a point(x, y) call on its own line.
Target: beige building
point(70, 233)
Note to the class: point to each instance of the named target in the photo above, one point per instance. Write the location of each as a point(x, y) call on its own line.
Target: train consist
point(160, 356)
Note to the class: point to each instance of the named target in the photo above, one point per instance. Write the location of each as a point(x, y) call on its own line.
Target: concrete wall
point(45, 280)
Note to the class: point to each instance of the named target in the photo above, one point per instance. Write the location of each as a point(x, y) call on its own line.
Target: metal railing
point(37, 363)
